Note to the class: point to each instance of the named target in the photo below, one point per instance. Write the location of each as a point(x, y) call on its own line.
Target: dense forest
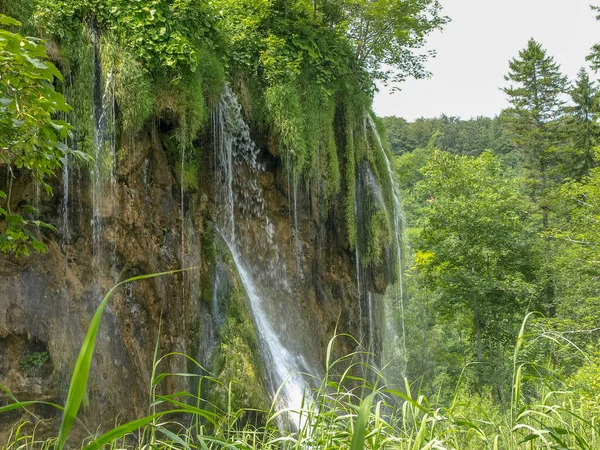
point(500, 215)
point(333, 279)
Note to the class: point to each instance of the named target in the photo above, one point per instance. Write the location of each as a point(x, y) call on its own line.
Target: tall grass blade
point(358, 438)
point(125, 429)
point(84, 361)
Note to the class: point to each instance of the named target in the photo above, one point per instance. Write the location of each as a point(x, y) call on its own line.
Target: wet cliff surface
point(267, 259)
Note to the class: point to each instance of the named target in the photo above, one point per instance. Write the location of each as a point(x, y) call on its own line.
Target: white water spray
point(236, 167)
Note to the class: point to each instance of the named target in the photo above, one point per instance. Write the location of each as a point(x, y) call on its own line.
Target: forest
point(209, 240)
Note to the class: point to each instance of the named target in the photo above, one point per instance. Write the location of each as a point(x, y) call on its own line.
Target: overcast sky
point(474, 49)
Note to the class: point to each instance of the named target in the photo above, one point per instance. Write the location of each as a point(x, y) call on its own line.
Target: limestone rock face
point(47, 301)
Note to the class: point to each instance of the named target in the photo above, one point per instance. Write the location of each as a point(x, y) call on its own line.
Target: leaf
point(38, 246)
point(173, 437)
point(121, 431)
point(28, 209)
point(5, 20)
point(358, 437)
point(82, 370)
point(36, 63)
point(19, 405)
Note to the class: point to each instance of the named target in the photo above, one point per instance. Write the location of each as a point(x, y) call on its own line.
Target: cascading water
point(65, 230)
point(368, 199)
point(296, 230)
point(239, 197)
point(393, 350)
point(103, 171)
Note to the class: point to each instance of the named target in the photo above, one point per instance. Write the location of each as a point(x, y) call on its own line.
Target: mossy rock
point(237, 362)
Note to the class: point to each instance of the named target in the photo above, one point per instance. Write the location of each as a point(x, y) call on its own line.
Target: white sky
point(474, 49)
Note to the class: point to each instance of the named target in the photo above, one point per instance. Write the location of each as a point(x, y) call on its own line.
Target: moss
point(379, 237)
point(32, 363)
point(350, 177)
point(237, 361)
point(287, 126)
point(79, 86)
point(134, 91)
point(212, 75)
point(333, 180)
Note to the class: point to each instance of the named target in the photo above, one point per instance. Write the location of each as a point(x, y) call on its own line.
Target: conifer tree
point(535, 97)
point(535, 90)
point(584, 115)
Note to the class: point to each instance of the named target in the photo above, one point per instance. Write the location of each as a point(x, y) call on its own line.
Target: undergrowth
point(353, 407)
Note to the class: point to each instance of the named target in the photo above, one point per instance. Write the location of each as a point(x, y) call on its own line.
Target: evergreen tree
point(535, 95)
point(535, 90)
point(584, 115)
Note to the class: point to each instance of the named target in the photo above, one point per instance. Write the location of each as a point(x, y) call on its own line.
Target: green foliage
point(471, 248)
point(535, 95)
point(544, 413)
point(584, 127)
point(32, 362)
point(159, 55)
point(386, 32)
point(286, 117)
point(586, 383)
point(159, 33)
point(451, 134)
point(31, 137)
point(350, 177)
point(17, 236)
point(134, 91)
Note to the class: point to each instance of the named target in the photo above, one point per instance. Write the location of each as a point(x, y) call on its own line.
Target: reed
point(352, 408)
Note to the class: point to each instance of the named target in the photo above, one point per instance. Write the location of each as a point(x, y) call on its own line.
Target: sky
point(473, 52)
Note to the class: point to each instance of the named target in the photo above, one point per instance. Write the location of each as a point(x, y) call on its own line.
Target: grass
point(352, 408)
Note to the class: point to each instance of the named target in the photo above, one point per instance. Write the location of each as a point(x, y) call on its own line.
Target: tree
point(535, 90)
point(594, 56)
point(472, 246)
point(535, 95)
point(584, 115)
point(388, 31)
point(31, 137)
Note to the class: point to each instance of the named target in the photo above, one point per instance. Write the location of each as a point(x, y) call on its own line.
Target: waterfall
point(296, 230)
point(65, 231)
point(367, 198)
point(182, 210)
point(397, 293)
point(358, 217)
point(103, 170)
point(239, 196)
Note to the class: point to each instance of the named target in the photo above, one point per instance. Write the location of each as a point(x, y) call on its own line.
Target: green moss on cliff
point(236, 362)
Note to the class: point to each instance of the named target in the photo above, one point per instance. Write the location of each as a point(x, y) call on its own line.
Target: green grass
point(352, 408)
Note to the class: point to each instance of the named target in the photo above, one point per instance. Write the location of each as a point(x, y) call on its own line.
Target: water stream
point(103, 170)
point(238, 195)
point(393, 349)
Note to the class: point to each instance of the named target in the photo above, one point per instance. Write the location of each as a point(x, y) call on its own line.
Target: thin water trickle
point(103, 170)
point(182, 205)
point(359, 284)
point(65, 230)
point(296, 230)
point(391, 335)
